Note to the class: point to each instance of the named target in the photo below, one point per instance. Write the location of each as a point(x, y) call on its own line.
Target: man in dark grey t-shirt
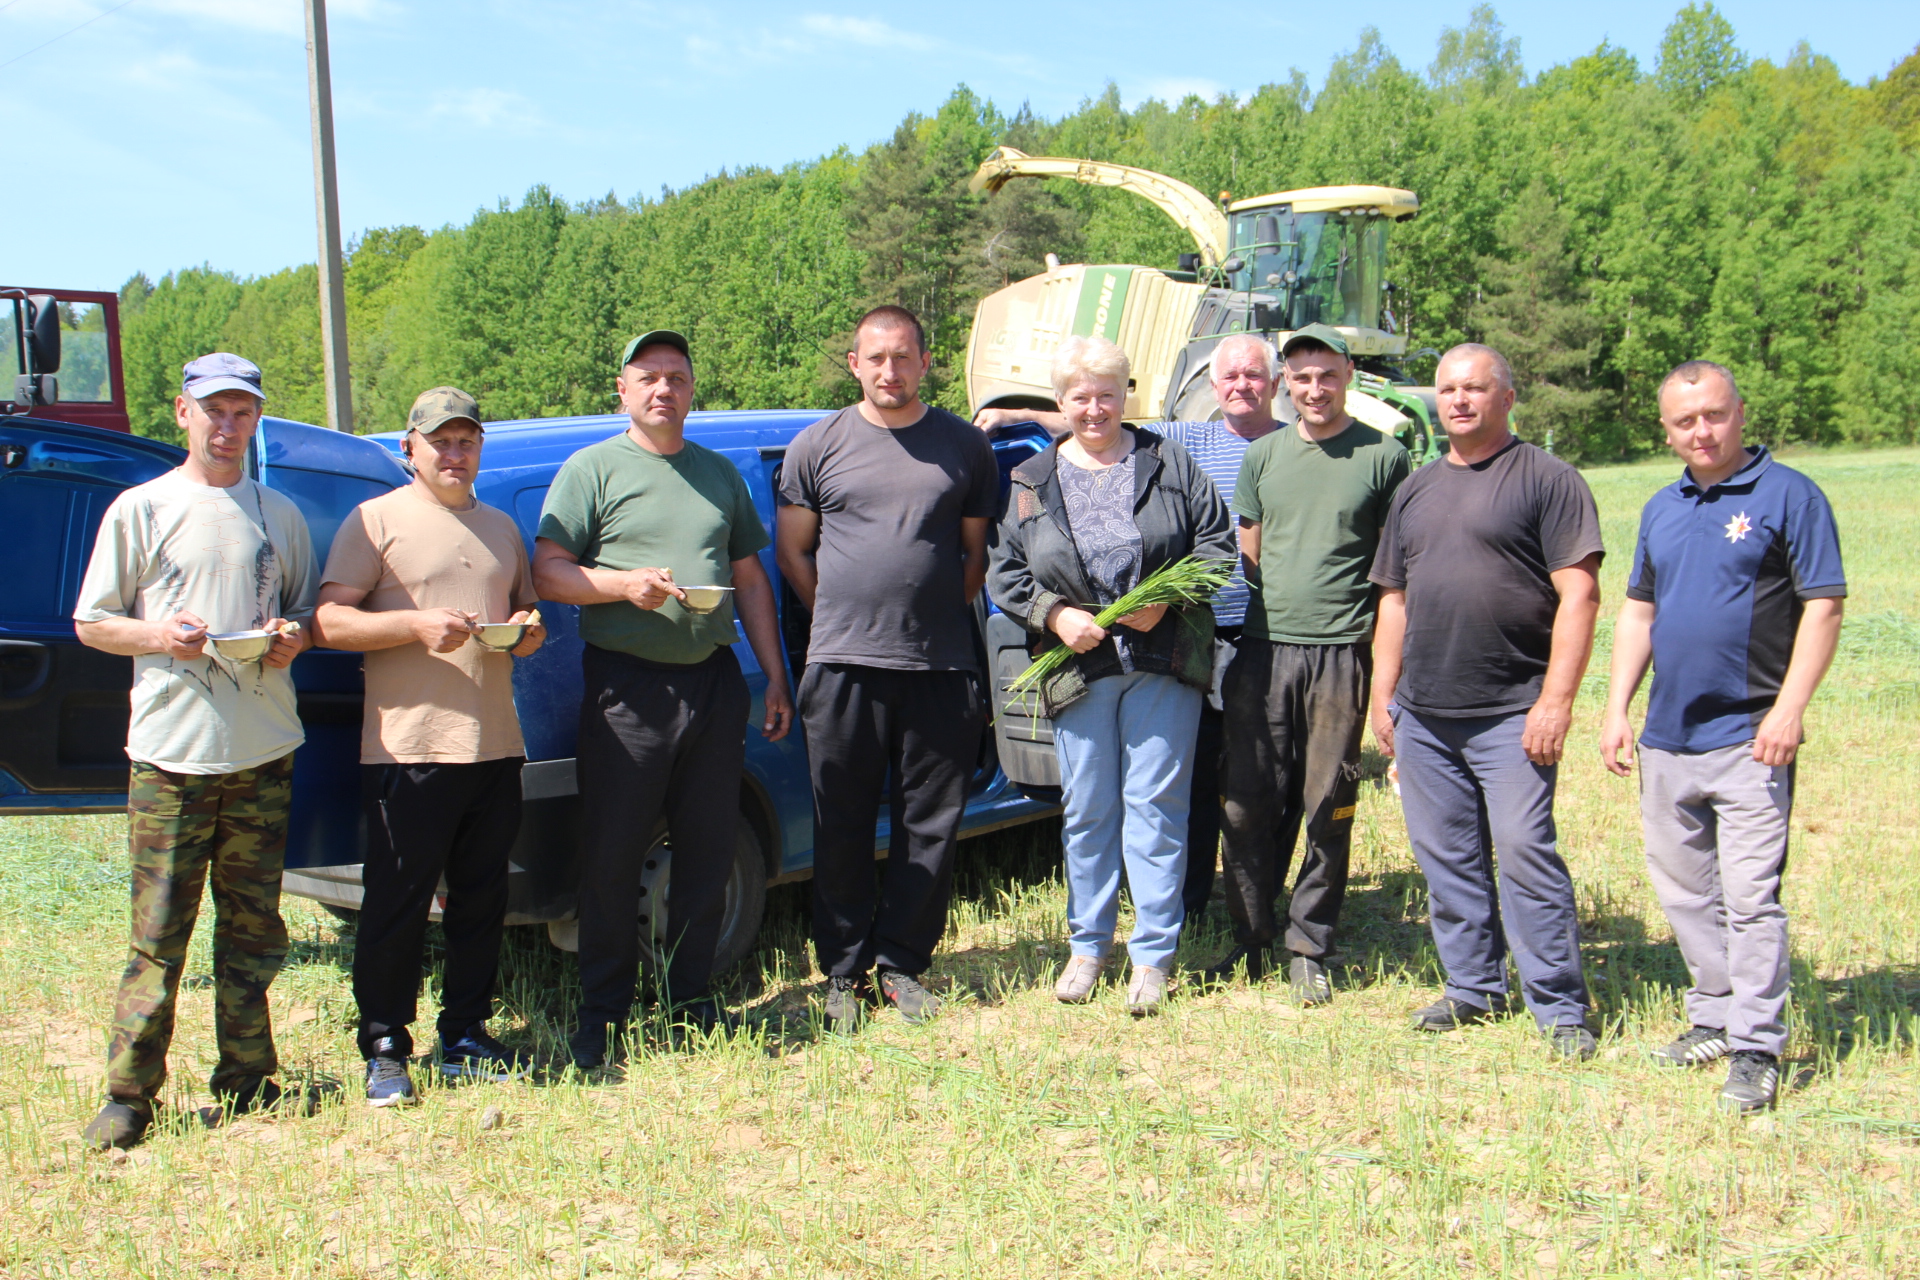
point(883, 535)
point(1488, 568)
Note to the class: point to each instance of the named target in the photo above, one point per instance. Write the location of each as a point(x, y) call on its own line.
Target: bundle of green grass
point(1185, 582)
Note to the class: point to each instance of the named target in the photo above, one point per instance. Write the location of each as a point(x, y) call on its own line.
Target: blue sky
point(167, 133)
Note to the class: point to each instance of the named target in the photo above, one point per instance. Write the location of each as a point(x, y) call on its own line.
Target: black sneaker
point(119, 1124)
point(1694, 1048)
point(846, 1004)
point(475, 1055)
point(588, 1045)
point(1572, 1042)
point(904, 992)
point(706, 1016)
point(257, 1095)
point(1309, 982)
point(1449, 1014)
point(1753, 1082)
point(1257, 957)
point(388, 1083)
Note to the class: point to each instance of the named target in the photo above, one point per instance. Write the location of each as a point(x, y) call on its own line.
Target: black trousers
point(1203, 811)
point(864, 724)
point(1293, 719)
point(425, 821)
point(655, 741)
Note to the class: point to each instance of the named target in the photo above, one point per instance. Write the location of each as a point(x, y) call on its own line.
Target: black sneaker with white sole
point(904, 992)
point(475, 1055)
point(1694, 1048)
point(389, 1084)
point(1753, 1082)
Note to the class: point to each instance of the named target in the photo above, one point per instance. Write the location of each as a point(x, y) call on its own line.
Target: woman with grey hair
point(1086, 521)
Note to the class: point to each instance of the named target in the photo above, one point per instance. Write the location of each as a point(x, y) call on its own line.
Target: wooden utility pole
point(326, 194)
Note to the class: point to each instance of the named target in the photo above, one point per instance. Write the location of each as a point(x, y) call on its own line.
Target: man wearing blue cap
point(180, 563)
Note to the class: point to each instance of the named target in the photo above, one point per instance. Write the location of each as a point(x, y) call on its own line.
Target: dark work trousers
point(1471, 795)
point(425, 821)
point(1293, 719)
point(655, 740)
point(864, 724)
point(1203, 806)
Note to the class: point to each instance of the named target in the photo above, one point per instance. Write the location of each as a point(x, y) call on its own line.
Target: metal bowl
point(500, 635)
point(703, 600)
point(243, 646)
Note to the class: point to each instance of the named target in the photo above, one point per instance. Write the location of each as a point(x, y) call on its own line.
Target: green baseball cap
point(656, 337)
point(1324, 334)
point(436, 408)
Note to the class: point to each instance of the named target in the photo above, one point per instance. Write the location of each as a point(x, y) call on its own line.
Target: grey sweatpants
point(1716, 827)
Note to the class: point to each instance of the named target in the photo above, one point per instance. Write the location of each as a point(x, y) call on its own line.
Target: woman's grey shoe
point(1146, 991)
point(1309, 981)
point(1694, 1048)
point(1077, 980)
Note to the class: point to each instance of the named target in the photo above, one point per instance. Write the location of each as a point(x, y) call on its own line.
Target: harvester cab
point(1268, 265)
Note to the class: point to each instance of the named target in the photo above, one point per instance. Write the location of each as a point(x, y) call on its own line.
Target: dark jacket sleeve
point(1010, 578)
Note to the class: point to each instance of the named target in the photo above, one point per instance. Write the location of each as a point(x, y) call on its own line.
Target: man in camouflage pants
point(200, 552)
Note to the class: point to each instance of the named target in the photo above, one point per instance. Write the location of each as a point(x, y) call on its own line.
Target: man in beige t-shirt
point(412, 576)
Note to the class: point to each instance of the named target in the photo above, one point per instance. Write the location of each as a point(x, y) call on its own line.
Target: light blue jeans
point(1126, 761)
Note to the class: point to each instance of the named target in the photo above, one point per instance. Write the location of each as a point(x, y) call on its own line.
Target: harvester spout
point(1201, 218)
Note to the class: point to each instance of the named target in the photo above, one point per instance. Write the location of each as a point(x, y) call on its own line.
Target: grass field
point(1234, 1136)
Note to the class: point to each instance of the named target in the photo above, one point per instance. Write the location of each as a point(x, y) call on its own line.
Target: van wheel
point(744, 907)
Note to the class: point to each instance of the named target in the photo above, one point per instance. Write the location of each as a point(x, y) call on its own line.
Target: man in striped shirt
point(1245, 378)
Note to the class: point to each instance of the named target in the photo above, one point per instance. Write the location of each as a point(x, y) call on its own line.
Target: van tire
point(741, 913)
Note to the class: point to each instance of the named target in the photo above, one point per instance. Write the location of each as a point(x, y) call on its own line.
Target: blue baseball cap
point(221, 371)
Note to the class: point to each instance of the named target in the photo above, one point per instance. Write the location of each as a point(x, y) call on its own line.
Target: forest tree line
point(1598, 221)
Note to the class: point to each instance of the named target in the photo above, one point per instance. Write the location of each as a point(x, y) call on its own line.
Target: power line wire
point(63, 35)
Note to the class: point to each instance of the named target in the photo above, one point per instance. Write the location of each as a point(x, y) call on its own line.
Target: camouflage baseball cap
point(1324, 334)
point(436, 408)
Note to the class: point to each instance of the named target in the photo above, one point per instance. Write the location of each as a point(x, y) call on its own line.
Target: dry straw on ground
point(1235, 1136)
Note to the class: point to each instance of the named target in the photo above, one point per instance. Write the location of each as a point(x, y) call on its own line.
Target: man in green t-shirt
point(1311, 501)
point(629, 524)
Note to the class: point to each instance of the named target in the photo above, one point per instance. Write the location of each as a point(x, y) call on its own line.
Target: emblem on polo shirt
point(1739, 527)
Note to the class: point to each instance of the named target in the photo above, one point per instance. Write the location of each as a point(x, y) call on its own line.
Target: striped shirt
point(1217, 451)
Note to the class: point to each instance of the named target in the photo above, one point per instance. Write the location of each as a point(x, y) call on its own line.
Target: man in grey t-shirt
point(883, 535)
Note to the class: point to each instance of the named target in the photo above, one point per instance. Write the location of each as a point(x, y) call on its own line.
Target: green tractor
point(1268, 265)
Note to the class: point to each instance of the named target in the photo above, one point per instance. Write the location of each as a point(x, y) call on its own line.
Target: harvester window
point(1323, 268)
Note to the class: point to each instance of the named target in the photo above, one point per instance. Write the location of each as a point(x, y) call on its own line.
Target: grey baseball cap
point(220, 371)
point(1324, 334)
point(656, 337)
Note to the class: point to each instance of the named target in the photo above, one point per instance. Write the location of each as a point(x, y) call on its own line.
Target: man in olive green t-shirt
point(1311, 501)
point(629, 524)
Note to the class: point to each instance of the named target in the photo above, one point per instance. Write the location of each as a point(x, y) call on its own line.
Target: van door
point(63, 707)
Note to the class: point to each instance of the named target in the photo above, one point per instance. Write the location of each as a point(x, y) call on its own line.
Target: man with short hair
point(411, 576)
point(628, 523)
point(1488, 568)
point(1735, 598)
point(883, 535)
point(1245, 376)
point(179, 564)
point(1311, 502)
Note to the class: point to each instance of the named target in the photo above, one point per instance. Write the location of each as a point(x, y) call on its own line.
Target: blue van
point(63, 707)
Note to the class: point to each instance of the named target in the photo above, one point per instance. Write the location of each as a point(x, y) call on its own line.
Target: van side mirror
point(43, 333)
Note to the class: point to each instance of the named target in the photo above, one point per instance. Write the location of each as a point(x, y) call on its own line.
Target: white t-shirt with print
point(235, 557)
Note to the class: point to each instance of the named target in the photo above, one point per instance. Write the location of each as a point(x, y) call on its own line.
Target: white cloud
point(487, 109)
point(867, 31)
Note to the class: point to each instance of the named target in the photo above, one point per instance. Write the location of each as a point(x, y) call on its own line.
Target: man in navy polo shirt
point(1735, 597)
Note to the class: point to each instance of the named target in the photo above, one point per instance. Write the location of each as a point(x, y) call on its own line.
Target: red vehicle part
point(92, 387)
